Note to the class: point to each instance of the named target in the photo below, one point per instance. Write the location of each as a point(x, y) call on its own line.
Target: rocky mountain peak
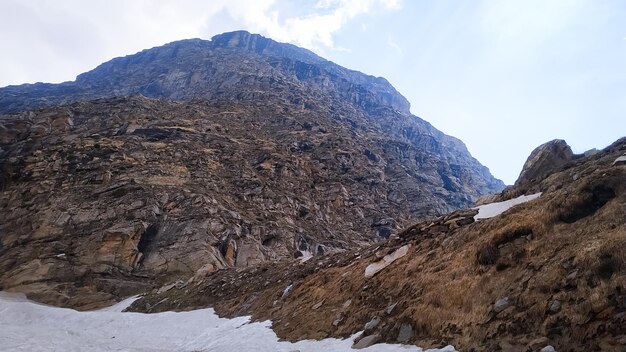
point(254, 43)
point(235, 65)
point(241, 39)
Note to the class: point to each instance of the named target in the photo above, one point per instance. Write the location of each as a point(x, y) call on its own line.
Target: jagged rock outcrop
point(254, 152)
point(549, 274)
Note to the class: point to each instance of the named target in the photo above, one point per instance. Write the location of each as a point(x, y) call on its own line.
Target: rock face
point(255, 152)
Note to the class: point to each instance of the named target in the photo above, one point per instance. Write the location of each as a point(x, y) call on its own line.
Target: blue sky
point(503, 76)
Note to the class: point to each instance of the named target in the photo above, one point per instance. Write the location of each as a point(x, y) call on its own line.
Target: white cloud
point(392, 4)
point(313, 30)
point(53, 41)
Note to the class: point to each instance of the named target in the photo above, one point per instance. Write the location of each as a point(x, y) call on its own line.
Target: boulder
point(405, 334)
point(366, 341)
point(501, 304)
point(544, 160)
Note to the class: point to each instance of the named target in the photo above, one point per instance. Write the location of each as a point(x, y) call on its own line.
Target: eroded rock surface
point(103, 199)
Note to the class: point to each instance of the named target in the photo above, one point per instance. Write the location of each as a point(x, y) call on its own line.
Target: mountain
point(201, 155)
point(545, 275)
point(232, 66)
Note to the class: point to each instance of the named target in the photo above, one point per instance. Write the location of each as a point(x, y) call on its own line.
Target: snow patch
point(374, 268)
point(120, 306)
point(286, 290)
point(29, 326)
point(306, 255)
point(493, 209)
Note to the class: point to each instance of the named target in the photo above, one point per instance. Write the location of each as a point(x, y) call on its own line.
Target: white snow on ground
point(32, 327)
point(374, 268)
point(306, 255)
point(621, 159)
point(492, 209)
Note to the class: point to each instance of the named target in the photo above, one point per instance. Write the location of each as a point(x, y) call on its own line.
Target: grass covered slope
point(551, 271)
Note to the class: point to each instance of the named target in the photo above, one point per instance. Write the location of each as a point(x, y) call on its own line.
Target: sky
point(504, 76)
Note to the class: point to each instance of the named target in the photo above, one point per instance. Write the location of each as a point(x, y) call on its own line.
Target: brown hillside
point(548, 272)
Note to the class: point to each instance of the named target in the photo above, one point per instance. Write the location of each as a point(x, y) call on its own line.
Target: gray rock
point(405, 333)
point(391, 307)
point(554, 307)
point(338, 320)
point(548, 348)
point(372, 324)
point(501, 304)
point(366, 341)
point(318, 304)
point(572, 276)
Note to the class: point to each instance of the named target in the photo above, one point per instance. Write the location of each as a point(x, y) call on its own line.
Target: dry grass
point(528, 255)
point(569, 246)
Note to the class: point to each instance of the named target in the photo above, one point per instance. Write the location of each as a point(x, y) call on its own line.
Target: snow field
point(33, 327)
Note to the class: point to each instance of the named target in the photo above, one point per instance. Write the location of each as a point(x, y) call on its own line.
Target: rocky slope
point(255, 151)
point(550, 272)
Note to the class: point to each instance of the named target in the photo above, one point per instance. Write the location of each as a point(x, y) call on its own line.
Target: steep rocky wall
point(100, 199)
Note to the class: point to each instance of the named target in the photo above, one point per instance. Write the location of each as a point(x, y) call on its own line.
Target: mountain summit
point(200, 155)
point(236, 65)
